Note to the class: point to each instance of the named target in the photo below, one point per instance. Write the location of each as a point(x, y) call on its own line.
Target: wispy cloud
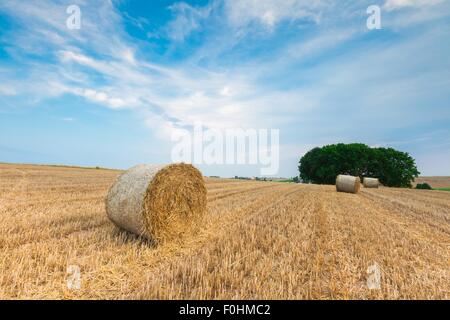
point(187, 19)
point(269, 13)
point(397, 4)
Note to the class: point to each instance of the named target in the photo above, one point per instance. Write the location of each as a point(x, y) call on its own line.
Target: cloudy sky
point(111, 93)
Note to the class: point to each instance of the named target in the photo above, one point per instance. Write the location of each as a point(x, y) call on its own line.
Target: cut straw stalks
point(159, 202)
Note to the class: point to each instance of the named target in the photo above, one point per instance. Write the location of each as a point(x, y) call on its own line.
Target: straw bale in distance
point(348, 184)
point(371, 183)
point(158, 202)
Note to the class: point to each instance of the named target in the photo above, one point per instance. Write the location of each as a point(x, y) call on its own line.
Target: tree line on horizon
point(393, 168)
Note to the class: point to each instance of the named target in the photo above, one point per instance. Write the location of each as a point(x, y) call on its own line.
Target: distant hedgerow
point(424, 186)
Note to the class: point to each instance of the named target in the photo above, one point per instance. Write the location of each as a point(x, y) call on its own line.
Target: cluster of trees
point(393, 168)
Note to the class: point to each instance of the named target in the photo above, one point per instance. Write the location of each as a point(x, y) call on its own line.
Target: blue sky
point(111, 93)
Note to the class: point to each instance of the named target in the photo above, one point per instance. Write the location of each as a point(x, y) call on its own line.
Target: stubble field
point(260, 240)
point(435, 182)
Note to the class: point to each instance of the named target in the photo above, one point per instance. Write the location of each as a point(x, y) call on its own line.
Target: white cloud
point(105, 97)
point(67, 56)
point(128, 56)
point(7, 90)
point(270, 12)
point(187, 20)
point(320, 43)
point(397, 4)
point(226, 91)
point(421, 14)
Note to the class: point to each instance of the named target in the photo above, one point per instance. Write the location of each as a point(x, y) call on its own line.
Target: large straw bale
point(348, 184)
point(158, 202)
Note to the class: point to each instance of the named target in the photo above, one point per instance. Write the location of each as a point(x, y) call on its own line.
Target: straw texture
point(158, 202)
point(348, 184)
point(371, 183)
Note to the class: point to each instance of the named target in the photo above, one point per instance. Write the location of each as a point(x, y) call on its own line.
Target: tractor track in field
point(259, 240)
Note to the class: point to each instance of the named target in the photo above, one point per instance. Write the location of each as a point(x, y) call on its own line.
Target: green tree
point(392, 167)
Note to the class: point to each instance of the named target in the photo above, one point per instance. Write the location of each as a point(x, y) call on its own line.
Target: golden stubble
point(260, 240)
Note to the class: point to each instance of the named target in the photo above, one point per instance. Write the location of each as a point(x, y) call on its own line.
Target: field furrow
point(259, 240)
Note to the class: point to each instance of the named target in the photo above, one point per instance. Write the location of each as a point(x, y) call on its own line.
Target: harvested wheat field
point(435, 182)
point(259, 240)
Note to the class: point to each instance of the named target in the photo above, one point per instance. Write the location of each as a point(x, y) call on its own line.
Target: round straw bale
point(158, 202)
point(347, 184)
point(371, 183)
